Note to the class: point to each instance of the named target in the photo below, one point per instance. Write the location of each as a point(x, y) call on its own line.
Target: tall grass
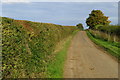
point(105, 36)
point(26, 46)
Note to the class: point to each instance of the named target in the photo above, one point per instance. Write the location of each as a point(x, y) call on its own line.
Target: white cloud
point(10, 1)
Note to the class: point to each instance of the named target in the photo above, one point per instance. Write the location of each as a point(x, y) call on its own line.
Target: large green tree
point(97, 18)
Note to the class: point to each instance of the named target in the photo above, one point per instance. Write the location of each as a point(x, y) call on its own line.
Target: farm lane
point(85, 60)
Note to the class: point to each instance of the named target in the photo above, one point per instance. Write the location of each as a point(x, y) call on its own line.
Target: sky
point(59, 0)
point(62, 13)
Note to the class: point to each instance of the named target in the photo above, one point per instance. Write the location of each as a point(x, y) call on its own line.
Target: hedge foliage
point(26, 46)
point(80, 26)
point(109, 29)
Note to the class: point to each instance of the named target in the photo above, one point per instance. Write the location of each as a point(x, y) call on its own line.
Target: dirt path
point(84, 60)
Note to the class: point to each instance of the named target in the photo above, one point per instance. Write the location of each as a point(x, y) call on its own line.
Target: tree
point(97, 18)
point(80, 26)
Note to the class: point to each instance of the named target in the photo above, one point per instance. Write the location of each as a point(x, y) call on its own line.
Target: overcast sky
point(63, 13)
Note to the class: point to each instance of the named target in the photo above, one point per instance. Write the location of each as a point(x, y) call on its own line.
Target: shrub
point(111, 29)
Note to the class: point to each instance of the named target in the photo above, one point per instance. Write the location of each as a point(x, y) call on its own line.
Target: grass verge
point(56, 66)
point(112, 47)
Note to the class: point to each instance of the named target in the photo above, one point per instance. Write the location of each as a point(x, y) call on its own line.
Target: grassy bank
point(112, 47)
point(56, 66)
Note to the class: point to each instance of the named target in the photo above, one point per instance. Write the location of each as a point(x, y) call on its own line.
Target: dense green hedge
point(109, 29)
point(26, 46)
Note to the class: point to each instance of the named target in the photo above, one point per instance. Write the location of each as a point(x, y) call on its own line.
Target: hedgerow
point(26, 46)
point(110, 29)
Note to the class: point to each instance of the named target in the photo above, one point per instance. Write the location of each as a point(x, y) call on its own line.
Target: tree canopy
point(80, 26)
point(97, 18)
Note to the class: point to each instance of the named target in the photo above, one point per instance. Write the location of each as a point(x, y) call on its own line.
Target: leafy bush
point(26, 46)
point(111, 29)
point(80, 26)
